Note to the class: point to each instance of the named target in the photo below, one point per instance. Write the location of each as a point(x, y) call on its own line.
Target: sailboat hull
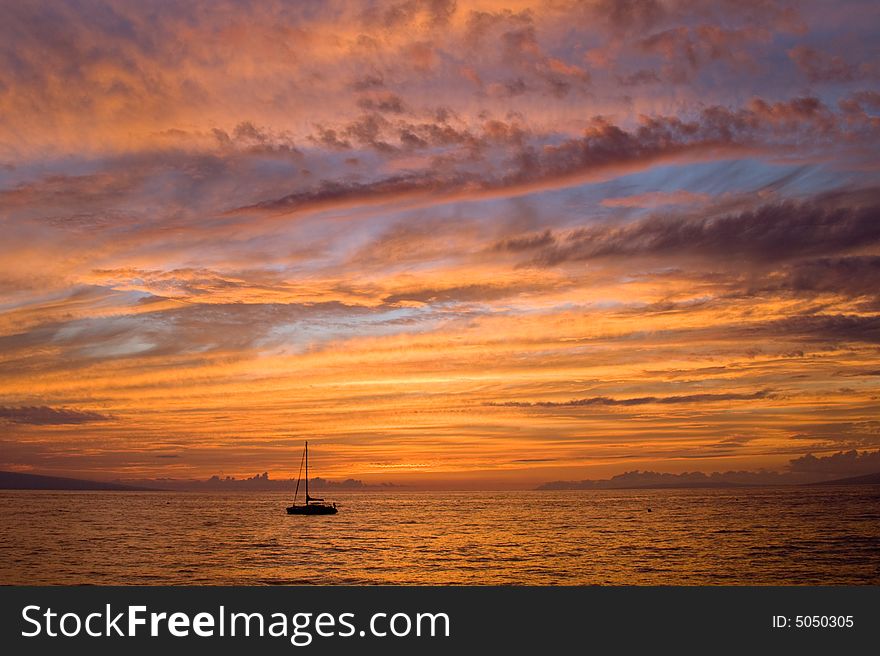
point(311, 509)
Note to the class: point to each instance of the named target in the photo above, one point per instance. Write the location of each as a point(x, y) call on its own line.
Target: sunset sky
point(486, 243)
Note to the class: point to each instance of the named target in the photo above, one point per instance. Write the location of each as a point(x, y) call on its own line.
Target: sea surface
point(820, 535)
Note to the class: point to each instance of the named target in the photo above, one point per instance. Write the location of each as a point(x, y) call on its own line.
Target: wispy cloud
point(641, 400)
point(46, 416)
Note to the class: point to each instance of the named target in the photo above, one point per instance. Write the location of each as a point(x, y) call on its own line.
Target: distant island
point(636, 480)
point(21, 481)
point(842, 468)
point(633, 480)
point(867, 479)
point(257, 483)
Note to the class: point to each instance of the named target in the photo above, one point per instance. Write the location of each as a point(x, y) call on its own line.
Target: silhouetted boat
point(312, 506)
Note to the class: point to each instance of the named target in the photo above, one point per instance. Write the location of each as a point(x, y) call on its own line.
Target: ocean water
point(823, 535)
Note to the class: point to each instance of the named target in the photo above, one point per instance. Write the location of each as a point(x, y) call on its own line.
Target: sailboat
point(312, 506)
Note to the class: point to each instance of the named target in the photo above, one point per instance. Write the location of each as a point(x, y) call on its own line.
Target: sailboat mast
point(319, 507)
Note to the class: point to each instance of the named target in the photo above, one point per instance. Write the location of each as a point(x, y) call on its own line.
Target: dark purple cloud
point(524, 161)
point(45, 416)
point(833, 223)
point(856, 276)
point(641, 400)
